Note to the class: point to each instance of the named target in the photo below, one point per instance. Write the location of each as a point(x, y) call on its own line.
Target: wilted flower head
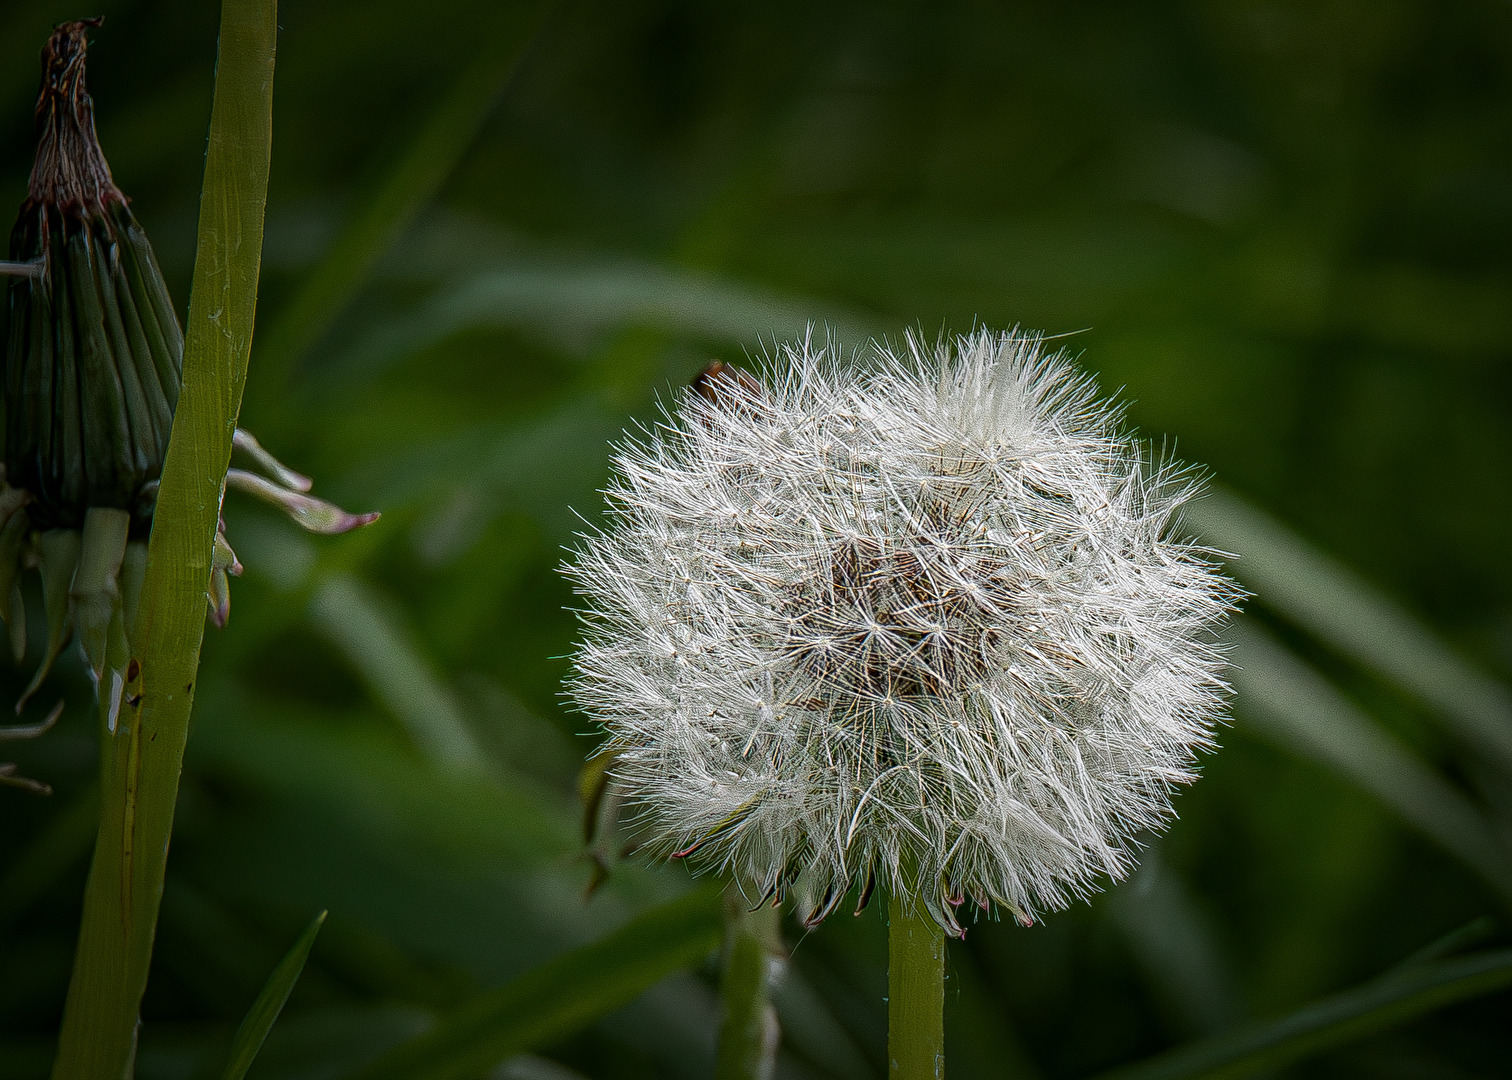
point(920, 620)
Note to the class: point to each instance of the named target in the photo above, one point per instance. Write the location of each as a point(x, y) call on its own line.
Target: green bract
point(93, 366)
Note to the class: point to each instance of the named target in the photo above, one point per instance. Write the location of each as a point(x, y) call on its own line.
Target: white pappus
point(918, 619)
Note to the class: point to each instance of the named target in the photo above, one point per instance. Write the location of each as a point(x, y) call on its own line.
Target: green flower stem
point(141, 760)
point(915, 993)
point(748, 1032)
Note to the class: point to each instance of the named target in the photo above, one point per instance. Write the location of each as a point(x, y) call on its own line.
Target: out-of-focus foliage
point(1285, 228)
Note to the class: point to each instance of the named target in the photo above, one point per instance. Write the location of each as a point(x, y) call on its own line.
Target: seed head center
point(902, 619)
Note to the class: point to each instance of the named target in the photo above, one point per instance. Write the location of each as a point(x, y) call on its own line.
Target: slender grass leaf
point(1290, 703)
point(1173, 937)
point(1388, 1001)
point(1477, 930)
point(411, 182)
point(356, 775)
point(1329, 600)
point(559, 997)
point(385, 652)
point(324, 1038)
point(583, 298)
point(270, 1002)
point(142, 759)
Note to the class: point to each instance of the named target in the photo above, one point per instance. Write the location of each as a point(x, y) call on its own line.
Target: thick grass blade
point(142, 759)
point(559, 997)
point(1292, 705)
point(410, 183)
point(1327, 599)
point(1332, 1022)
point(270, 1002)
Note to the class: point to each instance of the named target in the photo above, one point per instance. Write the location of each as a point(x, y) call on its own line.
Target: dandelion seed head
point(920, 618)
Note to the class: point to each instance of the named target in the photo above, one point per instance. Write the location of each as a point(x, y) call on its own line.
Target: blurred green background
point(1282, 230)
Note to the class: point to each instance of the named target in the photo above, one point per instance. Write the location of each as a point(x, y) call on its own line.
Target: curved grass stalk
point(1398, 996)
point(142, 757)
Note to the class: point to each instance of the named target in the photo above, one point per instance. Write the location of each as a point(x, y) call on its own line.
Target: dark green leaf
point(1290, 703)
point(413, 179)
point(560, 996)
point(1336, 1020)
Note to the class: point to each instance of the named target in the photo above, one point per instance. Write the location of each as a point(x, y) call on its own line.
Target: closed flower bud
point(922, 622)
point(95, 352)
point(94, 360)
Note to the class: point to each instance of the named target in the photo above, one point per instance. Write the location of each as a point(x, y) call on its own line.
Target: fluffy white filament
point(918, 620)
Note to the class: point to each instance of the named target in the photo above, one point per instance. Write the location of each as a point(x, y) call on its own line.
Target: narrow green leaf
point(387, 654)
point(357, 775)
point(1327, 599)
point(1334, 1021)
point(264, 1012)
point(1460, 938)
point(1287, 701)
point(142, 758)
point(559, 997)
point(572, 298)
point(411, 182)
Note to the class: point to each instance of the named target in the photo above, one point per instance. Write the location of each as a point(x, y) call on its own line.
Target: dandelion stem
point(141, 755)
point(748, 1032)
point(915, 992)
